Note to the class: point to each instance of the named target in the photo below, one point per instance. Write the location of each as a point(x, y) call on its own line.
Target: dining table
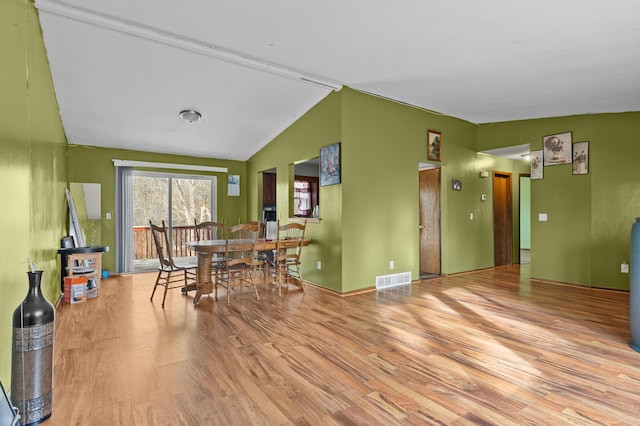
point(205, 250)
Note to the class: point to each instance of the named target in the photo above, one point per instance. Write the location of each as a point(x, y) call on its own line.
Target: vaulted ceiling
point(123, 70)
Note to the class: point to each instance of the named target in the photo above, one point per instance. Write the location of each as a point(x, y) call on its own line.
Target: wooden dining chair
point(210, 230)
point(169, 272)
point(240, 264)
point(288, 253)
point(263, 261)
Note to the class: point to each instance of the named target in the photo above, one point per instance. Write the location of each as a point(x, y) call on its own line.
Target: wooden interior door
point(429, 221)
point(502, 219)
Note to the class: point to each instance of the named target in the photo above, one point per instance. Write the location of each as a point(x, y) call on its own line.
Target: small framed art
point(434, 145)
point(557, 149)
point(456, 185)
point(233, 185)
point(580, 158)
point(536, 165)
point(330, 165)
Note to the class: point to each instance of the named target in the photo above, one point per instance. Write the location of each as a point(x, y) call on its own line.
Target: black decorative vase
point(32, 358)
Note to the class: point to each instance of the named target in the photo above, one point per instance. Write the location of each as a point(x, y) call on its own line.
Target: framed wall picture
point(434, 145)
point(233, 185)
point(536, 165)
point(580, 158)
point(557, 149)
point(330, 173)
point(456, 184)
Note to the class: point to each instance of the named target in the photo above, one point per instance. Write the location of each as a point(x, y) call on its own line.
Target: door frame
point(423, 167)
point(520, 176)
point(124, 228)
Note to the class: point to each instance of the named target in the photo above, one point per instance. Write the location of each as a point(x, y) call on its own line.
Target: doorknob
point(421, 226)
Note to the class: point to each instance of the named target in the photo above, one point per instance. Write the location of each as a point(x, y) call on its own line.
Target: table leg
point(203, 276)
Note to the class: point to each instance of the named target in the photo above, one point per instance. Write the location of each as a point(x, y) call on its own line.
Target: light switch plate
point(542, 217)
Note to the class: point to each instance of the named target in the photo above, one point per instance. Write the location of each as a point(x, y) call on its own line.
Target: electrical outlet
point(391, 265)
point(319, 265)
point(624, 268)
point(470, 216)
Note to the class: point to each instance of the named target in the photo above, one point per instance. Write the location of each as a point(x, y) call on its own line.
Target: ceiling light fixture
point(190, 116)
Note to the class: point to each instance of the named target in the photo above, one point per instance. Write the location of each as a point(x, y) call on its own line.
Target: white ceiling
point(123, 70)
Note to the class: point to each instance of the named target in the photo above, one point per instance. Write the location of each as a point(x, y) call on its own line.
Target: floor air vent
point(393, 280)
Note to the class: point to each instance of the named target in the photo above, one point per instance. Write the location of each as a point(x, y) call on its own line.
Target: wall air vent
point(393, 280)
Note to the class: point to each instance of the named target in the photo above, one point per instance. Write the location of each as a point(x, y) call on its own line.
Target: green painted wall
point(372, 216)
point(586, 237)
point(33, 168)
point(319, 127)
point(383, 144)
point(95, 165)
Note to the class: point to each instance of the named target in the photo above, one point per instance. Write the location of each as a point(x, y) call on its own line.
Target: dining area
point(230, 258)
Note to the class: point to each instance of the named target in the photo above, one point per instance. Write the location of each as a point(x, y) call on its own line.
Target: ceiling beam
point(185, 43)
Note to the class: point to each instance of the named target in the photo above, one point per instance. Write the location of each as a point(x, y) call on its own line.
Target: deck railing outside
point(144, 248)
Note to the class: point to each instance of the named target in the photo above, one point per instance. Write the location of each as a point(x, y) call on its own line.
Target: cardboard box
point(75, 289)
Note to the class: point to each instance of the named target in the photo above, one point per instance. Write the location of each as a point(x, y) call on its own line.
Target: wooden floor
point(482, 348)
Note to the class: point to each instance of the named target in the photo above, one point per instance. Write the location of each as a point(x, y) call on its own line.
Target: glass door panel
point(190, 200)
point(150, 203)
point(150, 200)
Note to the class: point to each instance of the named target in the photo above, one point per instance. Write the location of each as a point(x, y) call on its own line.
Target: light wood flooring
point(481, 348)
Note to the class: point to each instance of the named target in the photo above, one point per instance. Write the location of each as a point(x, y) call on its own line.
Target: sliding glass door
point(177, 200)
